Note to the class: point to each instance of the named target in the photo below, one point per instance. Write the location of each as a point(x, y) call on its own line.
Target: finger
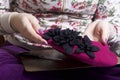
point(104, 37)
point(35, 24)
point(34, 21)
point(90, 30)
point(105, 31)
point(30, 33)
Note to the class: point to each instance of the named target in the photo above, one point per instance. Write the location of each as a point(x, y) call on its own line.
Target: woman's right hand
point(27, 25)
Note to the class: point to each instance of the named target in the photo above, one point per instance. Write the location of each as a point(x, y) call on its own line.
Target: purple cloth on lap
point(11, 68)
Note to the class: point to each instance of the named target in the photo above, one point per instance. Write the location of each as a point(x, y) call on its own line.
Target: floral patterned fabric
point(73, 14)
point(109, 10)
point(63, 13)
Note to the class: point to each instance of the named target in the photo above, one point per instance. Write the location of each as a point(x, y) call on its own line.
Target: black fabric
point(68, 39)
point(87, 47)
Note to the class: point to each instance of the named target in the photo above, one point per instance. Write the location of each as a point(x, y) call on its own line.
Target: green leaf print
point(102, 1)
point(88, 3)
point(111, 12)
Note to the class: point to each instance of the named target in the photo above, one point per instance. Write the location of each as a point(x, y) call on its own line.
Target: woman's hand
point(27, 25)
point(98, 31)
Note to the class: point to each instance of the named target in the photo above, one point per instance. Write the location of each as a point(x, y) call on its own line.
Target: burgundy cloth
point(84, 50)
point(11, 68)
point(103, 57)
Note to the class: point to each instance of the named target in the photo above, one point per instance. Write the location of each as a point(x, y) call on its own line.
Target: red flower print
point(93, 8)
point(53, 26)
point(98, 15)
point(101, 11)
point(104, 15)
point(75, 23)
point(55, 9)
point(80, 5)
point(24, 5)
point(59, 3)
point(36, 2)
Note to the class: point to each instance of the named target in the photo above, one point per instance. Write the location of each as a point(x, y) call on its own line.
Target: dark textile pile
point(68, 39)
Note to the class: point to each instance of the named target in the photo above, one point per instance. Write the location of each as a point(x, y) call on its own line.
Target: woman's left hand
point(98, 31)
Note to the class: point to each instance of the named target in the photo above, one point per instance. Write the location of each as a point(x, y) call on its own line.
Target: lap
point(11, 68)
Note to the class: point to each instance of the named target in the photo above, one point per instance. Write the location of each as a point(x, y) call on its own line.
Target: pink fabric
point(103, 58)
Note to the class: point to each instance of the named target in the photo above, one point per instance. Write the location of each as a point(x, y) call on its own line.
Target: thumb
point(104, 37)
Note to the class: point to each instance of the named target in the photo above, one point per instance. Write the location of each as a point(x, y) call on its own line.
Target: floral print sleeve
point(109, 10)
point(5, 27)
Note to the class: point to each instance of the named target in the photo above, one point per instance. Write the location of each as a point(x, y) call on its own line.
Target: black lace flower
point(68, 38)
point(87, 47)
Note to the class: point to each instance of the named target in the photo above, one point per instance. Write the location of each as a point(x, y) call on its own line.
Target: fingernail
point(106, 40)
point(45, 43)
point(41, 31)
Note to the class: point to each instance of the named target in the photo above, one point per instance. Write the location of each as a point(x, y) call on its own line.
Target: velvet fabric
point(82, 49)
point(11, 68)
